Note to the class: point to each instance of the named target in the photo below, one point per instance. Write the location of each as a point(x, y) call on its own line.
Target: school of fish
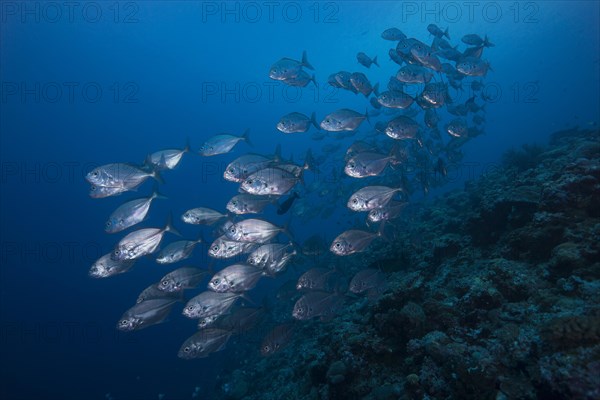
point(406, 148)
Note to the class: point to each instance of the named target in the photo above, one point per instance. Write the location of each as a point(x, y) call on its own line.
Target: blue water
point(149, 75)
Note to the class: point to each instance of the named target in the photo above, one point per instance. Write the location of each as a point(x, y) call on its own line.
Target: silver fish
point(458, 128)
point(402, 127)
point(222, 144)
point(414, 74)
point(395, 99)
point(100, 192)
point(208, 321)
point(144, 314)
point(209, 303)
point(352, 241)
point(269, 181)
point(301, 80)
point(473, 39)
point(436, 94)
point(390, 211)
point(361, 84)
point(182, 278)
point(343, 120)
point(317, 304)
point(296, 123)
point(168, 159)
point(365, 60)
point(371, 197)
point(129, 214)
point(343, 80)
point(315, 279)
point(203, 343)
point(368, 280)
point(472, 66)
point(202, 216)
point(105, 267)
point(425, 55)
point(248, 204)
point(236, 278)
point(243, 166)
point(276, 339)
point(437, 31)
point(254, 230)
point(367, 164)
point(223, 247)
point(242, 320)
point(121, 175)
point(394, 34)
point(140, 243)
point(153, 292)
point(286, 68)
point(177, 251)
point(272, 258)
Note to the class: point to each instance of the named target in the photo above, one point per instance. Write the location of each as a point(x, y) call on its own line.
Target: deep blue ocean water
point(96, 82)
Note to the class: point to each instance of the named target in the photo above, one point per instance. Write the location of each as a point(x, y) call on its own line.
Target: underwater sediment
point(494, 293)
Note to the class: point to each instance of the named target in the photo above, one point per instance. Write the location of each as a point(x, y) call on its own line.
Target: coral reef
point(494, 293)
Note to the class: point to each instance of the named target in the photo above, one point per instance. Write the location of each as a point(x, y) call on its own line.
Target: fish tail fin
point(367, 116)
point(375, 61)
point(169, 226)
point(246, 137)
point(487, 43)
point(376, 89)
point(309, 162)
point(314, 80)
point(147, 165)
point(313, 120)
point(156, 174)
point(447, 34)
point(305, 62)
point(187, 147)
point(157, 195)
point(490, 66)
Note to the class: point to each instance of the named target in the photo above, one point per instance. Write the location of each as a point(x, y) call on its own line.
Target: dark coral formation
point(494, 293)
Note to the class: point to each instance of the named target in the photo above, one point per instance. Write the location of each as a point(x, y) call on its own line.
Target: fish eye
point(231, 170)
point(190, 308)
point(95, 173)
point(187, 349)
point(164, 283)
point(117, 252)
point(108, 223)
point(354, 200)
point(215, 281)
point(215, 248)
point(249, 181)
point(351, 165)
point(266, 349)
point(123, 322)
point(338, 245)
point(234, 202)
